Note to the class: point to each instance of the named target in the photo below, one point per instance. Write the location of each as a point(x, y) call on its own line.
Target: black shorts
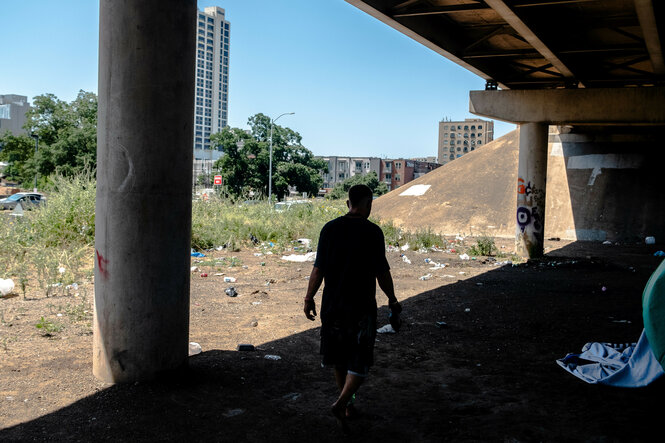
point(349, 345)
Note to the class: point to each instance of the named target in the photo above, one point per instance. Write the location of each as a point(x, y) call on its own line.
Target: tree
point(245, 165)
point(18, 151)
point(67, 138)
point(341, 190)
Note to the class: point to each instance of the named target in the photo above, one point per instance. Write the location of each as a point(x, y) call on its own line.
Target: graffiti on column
point(529, 201)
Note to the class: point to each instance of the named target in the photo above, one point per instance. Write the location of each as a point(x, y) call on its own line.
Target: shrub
point(484, 246)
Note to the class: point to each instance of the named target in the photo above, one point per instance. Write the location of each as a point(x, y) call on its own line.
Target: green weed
point(48, 327)
point(484, 246)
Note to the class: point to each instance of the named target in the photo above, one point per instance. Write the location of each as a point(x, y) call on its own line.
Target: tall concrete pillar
point(531, 181)
point(144, 167)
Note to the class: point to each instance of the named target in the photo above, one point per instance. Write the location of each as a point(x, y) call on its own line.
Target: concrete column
point(144, 168)
point(531, 180)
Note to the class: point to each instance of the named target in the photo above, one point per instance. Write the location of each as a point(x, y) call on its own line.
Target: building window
point(459, 149)
point(452, 135)
point(398, 165)
point(445, 128)
point(397, 178)
point(480, 126)
point(389, 176)
point(452, 156)
point(452, 149)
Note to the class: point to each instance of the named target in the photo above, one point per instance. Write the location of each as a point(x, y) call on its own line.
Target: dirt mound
point(474, 194)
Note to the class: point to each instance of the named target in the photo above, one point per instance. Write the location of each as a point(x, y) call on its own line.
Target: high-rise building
point(12, 113)
point(459, 138)
point(212, 78)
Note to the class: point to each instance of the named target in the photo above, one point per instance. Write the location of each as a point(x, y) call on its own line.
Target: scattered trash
point(659, 254)
point(258, 254)
point(464, 256)
point(58, 315)
point(272, 357)
point(229, 279)
point(245, 347)
point(453, 251)
point(219, 274)
point(204, 275)
point(256, 303)
point(194, 348)
point(448, 276)
point(293, 396)
point(305, 242)
point(194, 269)
point(231, 291)
point(607, 242)
point(219, 248)
point(233, 412)
point(603, 289)
point(61, 270)
point(462, 273)
point(441, 324)
point(426, 277)
point(6, 286)
point(621, 321)
point(479, 284)
point(387, 329)
point(459, 238)
point(406, 260)
point(310, 256)
point(254, 239)
point(650, 240)
point(405, 247)
point(197, 254)
point(467, 310)
point(554, 239)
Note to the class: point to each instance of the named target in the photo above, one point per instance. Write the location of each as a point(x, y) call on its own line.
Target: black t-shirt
point(351, 253)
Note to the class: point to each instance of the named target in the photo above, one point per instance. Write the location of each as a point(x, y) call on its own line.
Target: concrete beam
point(647, 18)
point(608, 106)
point(504, 11)
point(415, 36)
point(144, 200)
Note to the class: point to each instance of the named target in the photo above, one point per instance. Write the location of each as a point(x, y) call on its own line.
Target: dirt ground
point(488, 375)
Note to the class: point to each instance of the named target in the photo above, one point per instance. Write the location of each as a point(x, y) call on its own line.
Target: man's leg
point(351, 384)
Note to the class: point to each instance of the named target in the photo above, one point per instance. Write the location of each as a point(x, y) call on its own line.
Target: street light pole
point(272, 122)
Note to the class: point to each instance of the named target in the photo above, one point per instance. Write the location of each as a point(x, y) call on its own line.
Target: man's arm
point(385, 280)
point(315, 280)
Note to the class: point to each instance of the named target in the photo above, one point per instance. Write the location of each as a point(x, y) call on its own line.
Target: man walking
point(350, 259)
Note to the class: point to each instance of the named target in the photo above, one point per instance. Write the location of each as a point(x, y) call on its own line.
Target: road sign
point(218, 180)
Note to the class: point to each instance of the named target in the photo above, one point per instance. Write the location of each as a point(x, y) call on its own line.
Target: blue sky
point(357, 86)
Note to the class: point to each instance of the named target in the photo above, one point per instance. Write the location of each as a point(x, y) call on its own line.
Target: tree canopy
point(341, 190)
point(67, 138)
point(244, 167)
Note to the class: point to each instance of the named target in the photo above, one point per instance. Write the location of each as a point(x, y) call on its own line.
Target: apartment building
point(341, 168)
point(397, 172)
point(212, 78)
point(461, 137)
point(12, 113)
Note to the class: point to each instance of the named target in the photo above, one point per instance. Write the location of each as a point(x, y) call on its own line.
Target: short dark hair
point(357, 193)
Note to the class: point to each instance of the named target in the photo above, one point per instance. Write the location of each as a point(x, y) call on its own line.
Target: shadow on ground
point(489, 375)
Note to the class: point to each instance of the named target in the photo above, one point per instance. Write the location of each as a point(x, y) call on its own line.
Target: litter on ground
point(310, 256)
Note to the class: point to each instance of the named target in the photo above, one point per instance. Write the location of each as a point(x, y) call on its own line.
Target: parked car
point(28, 200)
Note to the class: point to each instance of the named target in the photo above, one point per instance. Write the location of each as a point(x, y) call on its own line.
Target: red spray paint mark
point(101, 265)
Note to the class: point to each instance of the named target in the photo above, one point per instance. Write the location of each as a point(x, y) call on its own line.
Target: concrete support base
point(531, 182)
point(143, 209)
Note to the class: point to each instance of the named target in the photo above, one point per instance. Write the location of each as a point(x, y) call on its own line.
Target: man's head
point(360, 200)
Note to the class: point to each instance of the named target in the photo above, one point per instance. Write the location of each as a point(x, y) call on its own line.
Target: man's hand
point(310, 309)
point(395, 307)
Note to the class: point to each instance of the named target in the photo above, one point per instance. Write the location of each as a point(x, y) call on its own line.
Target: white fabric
point(629, 366)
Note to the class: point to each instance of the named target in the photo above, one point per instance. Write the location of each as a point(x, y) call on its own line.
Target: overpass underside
point(593, 68)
